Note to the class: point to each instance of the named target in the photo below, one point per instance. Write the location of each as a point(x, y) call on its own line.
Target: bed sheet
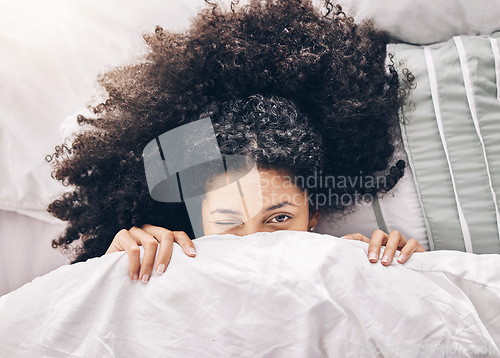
point(281, 294)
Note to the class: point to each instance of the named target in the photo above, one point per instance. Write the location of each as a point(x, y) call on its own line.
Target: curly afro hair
point(271, 131)
point(255, 59)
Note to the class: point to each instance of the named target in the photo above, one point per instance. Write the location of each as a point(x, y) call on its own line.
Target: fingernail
point(385, 259)
point(161, 268)
point(372, 256)
point(145, 278)
point(401, 258)
point(136, 277)
point(192, 251)
point(343, 237)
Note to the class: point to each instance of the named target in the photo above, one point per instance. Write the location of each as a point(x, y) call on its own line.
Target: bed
point(451, 192)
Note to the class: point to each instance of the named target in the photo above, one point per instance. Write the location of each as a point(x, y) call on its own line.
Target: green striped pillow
point(451, 134)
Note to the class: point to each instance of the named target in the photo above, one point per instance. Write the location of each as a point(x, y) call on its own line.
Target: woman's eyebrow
point(280, 205)
point(226, 211)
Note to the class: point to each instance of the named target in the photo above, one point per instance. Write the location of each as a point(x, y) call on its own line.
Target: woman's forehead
point(267, 180)
point(257, 190)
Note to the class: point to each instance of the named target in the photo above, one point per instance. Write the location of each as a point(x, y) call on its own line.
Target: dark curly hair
point(324, 66)
point(270, 130)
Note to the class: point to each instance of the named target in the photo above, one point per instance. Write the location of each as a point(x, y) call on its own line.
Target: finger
point(378, 239)
point(118, 241)
point(357, 236)
point(187, 245)
point(411, 246)
point(166, 239)
point(394, 241)
point(123, 241)
point(150, 245)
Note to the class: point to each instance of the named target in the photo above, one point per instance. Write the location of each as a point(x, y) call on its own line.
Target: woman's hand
point(149, 237)
point(392, 242)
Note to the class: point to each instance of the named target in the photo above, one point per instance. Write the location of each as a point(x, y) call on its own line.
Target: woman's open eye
point(279, 218)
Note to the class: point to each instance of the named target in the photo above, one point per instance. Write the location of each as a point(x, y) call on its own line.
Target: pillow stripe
point(473, 109)
point(437, 110)
point(379, 216)
point(426, 157)
point(496, 53)
point(481, 63)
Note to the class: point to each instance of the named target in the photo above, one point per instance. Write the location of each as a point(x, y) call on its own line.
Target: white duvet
point(283, 294)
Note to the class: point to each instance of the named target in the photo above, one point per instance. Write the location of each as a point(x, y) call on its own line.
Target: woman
point(266, 191)
point(330, 69)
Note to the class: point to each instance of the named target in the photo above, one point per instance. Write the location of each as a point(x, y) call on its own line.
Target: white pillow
point(52, 53)
point(25, 249)
point(428, 21)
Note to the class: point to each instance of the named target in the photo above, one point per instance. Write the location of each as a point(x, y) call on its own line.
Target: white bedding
point(282, 294)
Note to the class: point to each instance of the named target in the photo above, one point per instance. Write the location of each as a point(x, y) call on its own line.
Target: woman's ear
point(314, 216)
